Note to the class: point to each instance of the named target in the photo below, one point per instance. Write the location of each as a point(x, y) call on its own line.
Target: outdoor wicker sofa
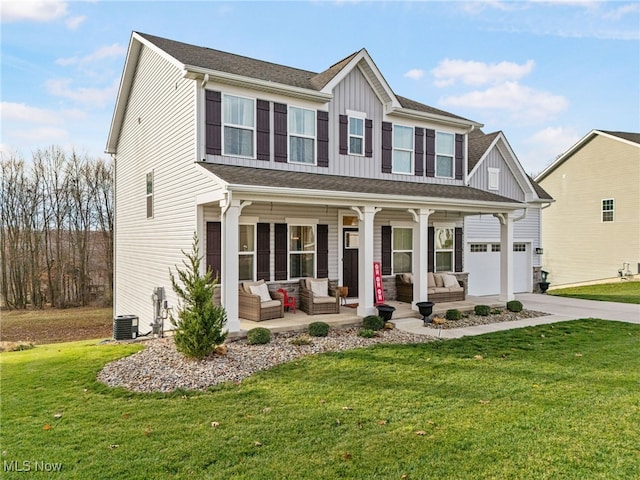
point(318, 296)
point(436, 290)
point(251, 306)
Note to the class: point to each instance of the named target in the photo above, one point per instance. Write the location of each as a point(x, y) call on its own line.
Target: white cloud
point(41, 135)
point(110, 51)
point(62, 87)
point(544, 146)
point(32, 10)
point(73, 23)
point(479, 73)
point(525, 104)
point(415, 74)
point(19, 112)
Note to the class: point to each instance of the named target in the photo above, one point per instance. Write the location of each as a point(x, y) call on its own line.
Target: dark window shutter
point(386, 250)
point(344, 137)
point(214, 248)
point(387, 145)
point(263, 270)
point(419, 151)
point(263, 130)
point(280, 246)
point(322, 254)
point(431, 153)
point(213, 122)
point(459, 156)
point(458, 250)
point(280, 132)
point(431, 236)
point(323, 138)
point(368, 138)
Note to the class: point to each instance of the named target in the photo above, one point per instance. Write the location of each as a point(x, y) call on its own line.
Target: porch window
point(402, 250)
point(302, 251)
point(150, 195)
point(402, 149)
point(302, 135)
point(239, 125)
point(444, 249)
point(247, 253)
point(444, 154)
point(607, 210)
point(356, 136)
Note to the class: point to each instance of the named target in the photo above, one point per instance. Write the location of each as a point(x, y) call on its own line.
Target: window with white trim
point(302, 135)
point(402, 250)
point(444, 154)
point(239, 125)
point(607, 210)
point(247, 252)
point(302, 251)
point(444, 248)
point(150, 194)
point(356, 135)
point(478, 247)
point(494, 178)
point(519, 247)
point(402, 149)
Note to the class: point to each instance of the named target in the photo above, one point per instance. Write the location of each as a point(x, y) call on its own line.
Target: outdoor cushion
point(270, 303)
point(431, 280)
point(262, 290)
point(439, 290)
point(456, 289)
point(247, 285)
point(320, 288)
point(450, 281)
point(317, 299)
point(407, 277)
point(439, 280)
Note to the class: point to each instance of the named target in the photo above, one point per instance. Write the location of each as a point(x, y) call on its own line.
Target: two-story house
point(285, 173)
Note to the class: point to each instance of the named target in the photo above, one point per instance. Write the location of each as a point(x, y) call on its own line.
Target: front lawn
point(554, 401)
point(623, 292)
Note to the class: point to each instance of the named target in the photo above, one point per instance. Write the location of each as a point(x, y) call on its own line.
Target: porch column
point(420, 254)
point(506, 257)
point(365, 261)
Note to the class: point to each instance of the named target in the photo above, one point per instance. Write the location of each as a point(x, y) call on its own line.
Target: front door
point(350, 245)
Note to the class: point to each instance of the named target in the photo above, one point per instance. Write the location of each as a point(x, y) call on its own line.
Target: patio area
point(299, 321)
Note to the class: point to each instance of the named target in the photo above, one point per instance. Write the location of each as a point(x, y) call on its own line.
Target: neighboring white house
point(493, 166)
point(285, 173)
point(593, 229)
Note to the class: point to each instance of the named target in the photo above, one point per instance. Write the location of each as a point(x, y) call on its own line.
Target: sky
point(544, 72)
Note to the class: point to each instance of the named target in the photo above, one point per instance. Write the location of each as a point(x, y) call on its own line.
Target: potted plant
point(385, 311)
point(425, 308)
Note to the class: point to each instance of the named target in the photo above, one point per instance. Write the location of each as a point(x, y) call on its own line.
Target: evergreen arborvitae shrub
point(514, 306)
point(482, 310)
point(258, 336)
point(200, 325)
point(372, 322)
point(318, 329)
point(453, 314)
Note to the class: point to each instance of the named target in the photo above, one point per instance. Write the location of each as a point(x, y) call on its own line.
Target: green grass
point(556, 401)
point(623, 292)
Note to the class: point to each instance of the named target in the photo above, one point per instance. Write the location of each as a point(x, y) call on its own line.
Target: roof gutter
point(418, 115)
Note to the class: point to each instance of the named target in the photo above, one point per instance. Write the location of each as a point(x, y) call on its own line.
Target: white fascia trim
point(424, 116)
point(199, 73)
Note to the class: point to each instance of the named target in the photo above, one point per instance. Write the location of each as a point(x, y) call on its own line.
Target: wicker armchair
point(250, 306)
point(313, 304)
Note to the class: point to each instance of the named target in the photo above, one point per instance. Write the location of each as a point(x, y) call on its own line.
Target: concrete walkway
point(560, 310)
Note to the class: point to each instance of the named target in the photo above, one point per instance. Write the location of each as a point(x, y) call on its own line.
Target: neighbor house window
point(402, 149)
point(302, 135)
point(356, 136)
point(239, 125)
point(150, 195)
point(444, 249)
point(402, 247)
point(607, 210)
point(444, 154)
point(478, 247)
point(302, 251)
point(247, 251)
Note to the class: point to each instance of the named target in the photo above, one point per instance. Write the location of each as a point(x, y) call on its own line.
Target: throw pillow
point(431, 280)
point(262, 291)
point(439, 280)
point(450, 281)
point(320, 288)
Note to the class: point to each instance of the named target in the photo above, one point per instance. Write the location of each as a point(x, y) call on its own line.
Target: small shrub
point(514, 306)
point(258, 336)
point(318, 329)
point(367, 333)
point(301, 340)
point(453, 314)
point(372, 322)
point(482, 310)
point(496, 311)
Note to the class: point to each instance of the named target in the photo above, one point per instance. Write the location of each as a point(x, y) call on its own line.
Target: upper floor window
point(402, 149)
point(247, 253)
point(239, 126)
point(150, 194)
point(444, 154)
point(356, 136)
point(607, 210)
point(444, 239)
point(302, 135)
point(402, 250)
point(302, 251)
point(494, 178)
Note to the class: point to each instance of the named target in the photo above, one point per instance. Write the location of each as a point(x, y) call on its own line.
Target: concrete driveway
point(559, 309)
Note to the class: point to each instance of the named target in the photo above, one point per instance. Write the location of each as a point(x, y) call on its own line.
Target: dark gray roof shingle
point(479, 142)
point(631, 137)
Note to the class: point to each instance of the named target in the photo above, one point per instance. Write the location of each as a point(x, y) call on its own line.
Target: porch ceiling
point(273, 181)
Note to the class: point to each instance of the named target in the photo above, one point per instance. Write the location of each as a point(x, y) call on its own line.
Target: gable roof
point(479, 143)
point(629, 138)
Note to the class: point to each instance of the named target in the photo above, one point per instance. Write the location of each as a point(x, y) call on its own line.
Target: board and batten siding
point(508, 185)
point(152, 141)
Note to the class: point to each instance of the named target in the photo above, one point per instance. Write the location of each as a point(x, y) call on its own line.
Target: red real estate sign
point(377, 281)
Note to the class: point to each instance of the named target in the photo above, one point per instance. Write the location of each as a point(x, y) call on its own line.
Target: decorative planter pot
point(425, 308)
point(543, 286)
point(385, 311)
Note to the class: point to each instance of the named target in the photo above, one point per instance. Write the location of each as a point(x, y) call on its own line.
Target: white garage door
point(482, 261)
